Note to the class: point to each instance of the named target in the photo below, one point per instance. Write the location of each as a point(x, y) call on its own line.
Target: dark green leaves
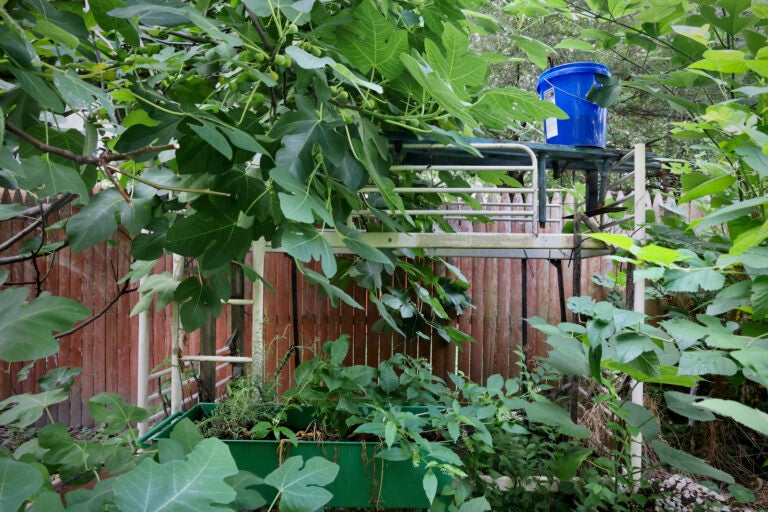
point(111, 409)
point(688, 463)
point(217, 239)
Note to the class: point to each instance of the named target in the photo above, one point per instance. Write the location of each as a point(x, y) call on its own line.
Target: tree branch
point(259, 29)
point(83, 159)
point(124, 290)
point(65, 198)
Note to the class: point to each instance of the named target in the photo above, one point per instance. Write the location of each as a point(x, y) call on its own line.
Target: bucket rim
point(573, 68)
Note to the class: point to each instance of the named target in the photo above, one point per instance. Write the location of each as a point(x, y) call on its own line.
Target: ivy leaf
point(688, 463)
point(300, 487)
point(25, 329)
point(111, 409)
point(18, 483)
point(305, 243)
point(26, 408)
point(371, 43)
point(196, 483)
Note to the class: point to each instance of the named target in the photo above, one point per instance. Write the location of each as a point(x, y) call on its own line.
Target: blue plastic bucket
point(567, 86)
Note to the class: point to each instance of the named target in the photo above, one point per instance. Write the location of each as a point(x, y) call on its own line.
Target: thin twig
point(54, 207)
point(108, 170)
point(169, 187)
point(84, 159)
point(124, 290)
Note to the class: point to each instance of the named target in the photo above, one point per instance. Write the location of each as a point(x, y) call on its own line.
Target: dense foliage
point(198, 127)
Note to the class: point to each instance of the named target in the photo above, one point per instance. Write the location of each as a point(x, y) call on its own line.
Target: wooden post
point(207, 382)
point(237, 319)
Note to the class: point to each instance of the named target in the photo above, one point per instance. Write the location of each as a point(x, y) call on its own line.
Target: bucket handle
point(570, 94)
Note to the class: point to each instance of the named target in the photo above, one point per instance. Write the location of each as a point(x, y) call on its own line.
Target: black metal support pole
point(295, 314)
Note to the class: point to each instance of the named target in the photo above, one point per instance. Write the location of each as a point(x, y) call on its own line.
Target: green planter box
point(364, 480)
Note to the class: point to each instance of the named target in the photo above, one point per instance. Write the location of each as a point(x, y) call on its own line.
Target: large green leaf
point(25, 329)
point(301, 488)
point(300, 133)
point(300, 203)
point(688, 463)
point(555, 416)
point(305, 243)
point(372, 43)
point(111, 409)
point(49, 178)
point(463, 70)
point(38, 89)
point(81, 95)
point(747, 416)
point(684, 332)
point(497, 107)
point(431, 81)
point(693, 279)
point(714, 185)
point(97, 221)
point(196, 483)
point(730, 212)
point(706, 362)
point(685, 404)
point(629, 346)
point(215, 238)
point(18, 483)
point(26, 408)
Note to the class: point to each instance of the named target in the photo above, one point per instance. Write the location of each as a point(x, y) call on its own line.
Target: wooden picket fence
point(106, 349)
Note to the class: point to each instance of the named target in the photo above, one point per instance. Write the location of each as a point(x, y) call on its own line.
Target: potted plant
point(357, 417)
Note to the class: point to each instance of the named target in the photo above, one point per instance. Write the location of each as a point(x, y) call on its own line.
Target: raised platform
point(486, 245)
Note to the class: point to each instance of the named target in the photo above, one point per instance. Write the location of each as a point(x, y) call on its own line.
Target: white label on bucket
point(550, 124)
